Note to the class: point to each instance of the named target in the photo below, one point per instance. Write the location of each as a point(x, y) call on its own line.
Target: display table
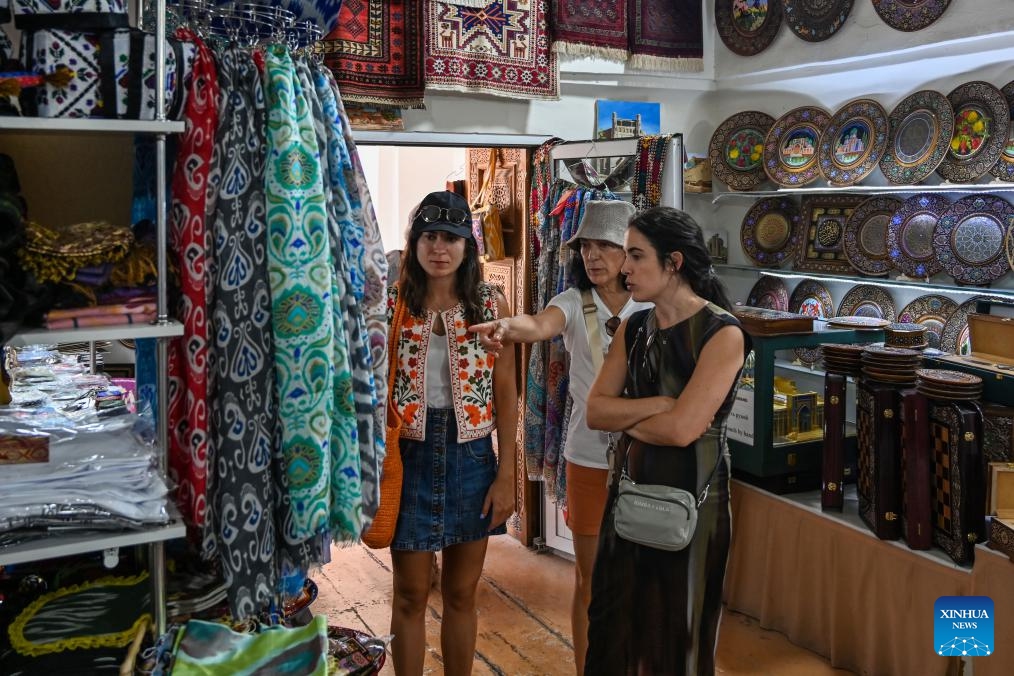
point(825, 581)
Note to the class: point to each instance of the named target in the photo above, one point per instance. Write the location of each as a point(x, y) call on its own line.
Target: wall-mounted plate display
point(865, 241)
point(866, 300)
point(748, 28)
point(955, 337)
point(770, 231)
point(1004, 167)
point(853, 142)
point(769, 293)
point(910, 15)
point(736, 150)
point(921, 129)
point(790, 148)
point(981, 125)
point(910, 235)
point(970, 239)
point(812, 299)
point(816, 21)
point(822, 243)
point(931, 311)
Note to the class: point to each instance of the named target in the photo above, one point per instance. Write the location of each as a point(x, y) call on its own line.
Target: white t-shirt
point(585, 446)
point(438, 373)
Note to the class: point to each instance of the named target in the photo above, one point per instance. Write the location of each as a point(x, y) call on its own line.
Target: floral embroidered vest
point(471, 369)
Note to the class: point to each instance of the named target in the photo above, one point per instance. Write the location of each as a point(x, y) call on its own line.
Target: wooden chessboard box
point(992, 356)
point(1000, 490)
point(761, 321)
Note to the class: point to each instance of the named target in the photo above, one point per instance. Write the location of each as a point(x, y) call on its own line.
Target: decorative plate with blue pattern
point(921, 129)
point(770, 231)
point(931, 311)
point(970, 236)
point(816, 20)
point(910, 235)
point(981, 126)
point(910, 15)
point(853, 142)
point(790, 148)
point(865, 241)
point(1004, 167)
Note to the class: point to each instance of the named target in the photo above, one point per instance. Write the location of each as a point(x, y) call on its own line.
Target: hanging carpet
point(375, 52)
point(590, 28)
point(500, 49)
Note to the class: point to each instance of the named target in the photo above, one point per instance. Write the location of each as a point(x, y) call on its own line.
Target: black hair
point(579, 274)
point(468, 280)
point(670, 230)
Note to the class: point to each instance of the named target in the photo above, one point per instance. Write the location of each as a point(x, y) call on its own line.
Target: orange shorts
point(586, 498)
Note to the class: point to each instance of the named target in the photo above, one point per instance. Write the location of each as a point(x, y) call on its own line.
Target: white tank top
point(438, 374)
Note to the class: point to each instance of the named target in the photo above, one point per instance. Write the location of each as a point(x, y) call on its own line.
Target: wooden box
point(764, 322)
point(1000, 501)
point(992, 356)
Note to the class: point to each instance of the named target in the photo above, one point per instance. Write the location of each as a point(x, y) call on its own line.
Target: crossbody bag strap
point(591, 323)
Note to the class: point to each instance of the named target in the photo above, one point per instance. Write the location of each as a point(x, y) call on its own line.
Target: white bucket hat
point(605, 220)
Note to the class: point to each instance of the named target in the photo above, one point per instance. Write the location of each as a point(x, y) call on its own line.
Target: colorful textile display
point(658, 35)
point(646, 186)
point(500, 49)
point(188, 356)
point(376, 52)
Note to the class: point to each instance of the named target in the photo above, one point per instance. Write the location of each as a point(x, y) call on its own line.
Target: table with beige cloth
point(830, 585)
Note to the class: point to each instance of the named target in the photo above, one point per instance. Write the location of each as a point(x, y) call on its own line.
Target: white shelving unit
point(162, 328)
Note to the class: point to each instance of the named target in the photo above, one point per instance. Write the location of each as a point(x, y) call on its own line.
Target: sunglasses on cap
point(431, 213)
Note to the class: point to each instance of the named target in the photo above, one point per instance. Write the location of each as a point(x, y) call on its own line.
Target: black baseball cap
point(443, 211)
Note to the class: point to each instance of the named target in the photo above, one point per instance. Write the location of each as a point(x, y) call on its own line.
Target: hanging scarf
point(188, 355)
point(143, 209)
point(299, 273)
point(646, 186)
point(346, 502)
point(243, 409)
point(374, 310)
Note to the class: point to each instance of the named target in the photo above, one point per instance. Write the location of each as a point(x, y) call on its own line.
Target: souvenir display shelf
point(960, 188)
point(162, 328)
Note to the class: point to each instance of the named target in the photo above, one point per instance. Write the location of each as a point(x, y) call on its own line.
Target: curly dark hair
point(468, 280)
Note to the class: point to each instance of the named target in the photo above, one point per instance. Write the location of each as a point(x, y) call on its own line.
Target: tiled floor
point(524, 617)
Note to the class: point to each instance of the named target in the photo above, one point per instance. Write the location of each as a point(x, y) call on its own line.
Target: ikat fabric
point(242, 345)
point(500, 49)
point(188, 355)
point(299, 272)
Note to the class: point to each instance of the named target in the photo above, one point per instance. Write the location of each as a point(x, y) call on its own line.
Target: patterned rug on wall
point(501, 48)
point(375, 52)
point(658, 35)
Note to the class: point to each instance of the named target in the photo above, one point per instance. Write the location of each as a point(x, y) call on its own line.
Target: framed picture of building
point(623, 119)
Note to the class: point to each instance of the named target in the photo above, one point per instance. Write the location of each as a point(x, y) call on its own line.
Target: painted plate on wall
point(981, 125)
point(816, 21)
point(770, 231)
point(866, 300)
point(853, 142)
point(736, 150)
point(970, 239)
point(812, 299)
point(770, 293)
point(748, 28)
point(931, 311)
point(865, 239)
point(910, 235)
point(1004, 167)
point(910, 15)
point(955, 337)
point(790, 148)
point(921, 129)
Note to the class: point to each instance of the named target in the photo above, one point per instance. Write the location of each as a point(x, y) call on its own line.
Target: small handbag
point(380, 533)
point(486, 215)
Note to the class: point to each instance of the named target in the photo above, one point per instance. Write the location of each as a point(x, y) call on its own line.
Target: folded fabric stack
point(138, 311)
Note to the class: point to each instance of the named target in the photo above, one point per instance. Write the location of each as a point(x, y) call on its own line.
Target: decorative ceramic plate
point(932, 311)
point(866, 300)
point(858, 322)
point(893, 353)
point(770, 231)
point(949, 377)
point(812, 299)
point(1004, 167)
point(910, 15)
point(955, 337)
point(736, 150)
point(790, 148)
point(816, 20)
point(981, 125)
point(969, 239)
point(748, 28)
point(822, 242)
point(865, 241)
point(921, 129)
point(770, 293)
point(853, 142)
point(910, 235)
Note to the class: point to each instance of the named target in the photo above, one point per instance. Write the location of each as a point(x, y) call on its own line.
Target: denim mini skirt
point(444, 486)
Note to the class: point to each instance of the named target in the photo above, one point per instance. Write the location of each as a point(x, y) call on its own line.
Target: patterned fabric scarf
point(376, 53)
point(241, 355)
point(500, 49)
point(346, 505)
point(143, 208)
point(299, 273)
point(646, 186)
point(188, 356)
point(374, 309)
